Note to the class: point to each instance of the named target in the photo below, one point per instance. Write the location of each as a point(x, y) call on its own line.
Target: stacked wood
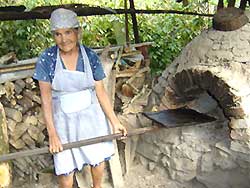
point(132, 91)
point(8, 58)
point(127, 85)
point(26, 129)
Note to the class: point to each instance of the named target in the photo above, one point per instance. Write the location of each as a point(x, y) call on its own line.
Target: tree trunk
point(5, 171)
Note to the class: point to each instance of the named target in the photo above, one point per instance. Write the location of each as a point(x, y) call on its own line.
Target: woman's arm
point(46, 96)
point(107, 108)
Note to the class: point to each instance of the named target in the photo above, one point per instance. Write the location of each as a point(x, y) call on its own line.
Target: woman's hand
point(119, 128)
point(55, 144)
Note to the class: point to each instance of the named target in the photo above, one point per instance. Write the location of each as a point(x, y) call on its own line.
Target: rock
point(207, 163)
point(224, 179)
point(183, 164)
point(240, 147)
point(148, 150)
point(151, 166)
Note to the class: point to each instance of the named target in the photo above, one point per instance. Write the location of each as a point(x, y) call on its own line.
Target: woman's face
point(66, 39)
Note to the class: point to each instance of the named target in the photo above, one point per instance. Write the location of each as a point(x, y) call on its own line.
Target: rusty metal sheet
point(178, 117)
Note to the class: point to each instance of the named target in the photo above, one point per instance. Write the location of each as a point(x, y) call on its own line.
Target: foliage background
point(169, 32)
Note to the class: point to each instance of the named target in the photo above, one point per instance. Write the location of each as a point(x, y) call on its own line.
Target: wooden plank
point(128, 153)
point(11, 76)
point(114, 163)
point(134, 21)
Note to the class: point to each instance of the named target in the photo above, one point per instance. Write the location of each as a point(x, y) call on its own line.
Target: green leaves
point(169, 32)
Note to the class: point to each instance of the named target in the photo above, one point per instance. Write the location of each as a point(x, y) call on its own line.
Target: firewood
point(30, 84)
point(18, 97)
point(34, 132)
point(127, 90)
point(26, 103)
point(6, 102)
point(12, 102)
point(20, 83)
point(11, 124)
point(19, 172)
point(40, 138)
point(40, 163)
point(30, 120)
point(9, 88)
point(40, 118)
point(21, 164)
point(19, 108)
point(28, 140)
point(29, 80)
point(2, 90)
point(40, 126)
point(42, 160)
point(8, 58)
point(138, 74)
point(18, 144)
point(138, 102)
point(13, 114)
point(32, 96)
point(127, 72)
point(20, 130)
point(18, 89)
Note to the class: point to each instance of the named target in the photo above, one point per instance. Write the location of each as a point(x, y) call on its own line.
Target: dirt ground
point(139, 176)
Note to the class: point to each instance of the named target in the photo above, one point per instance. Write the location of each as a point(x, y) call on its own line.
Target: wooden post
point(231, 3)
point(5, 171)
point(220, 5)
point(126, 22)
point(109, 84)
point(134, 20)
point(243, 4)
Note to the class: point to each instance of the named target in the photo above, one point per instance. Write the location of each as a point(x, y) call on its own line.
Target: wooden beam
point(20, 8)
point(220, 5)
point(90, 11)
point(134, 21)
point(243, 4)
point(231, 3)
point(126, 22)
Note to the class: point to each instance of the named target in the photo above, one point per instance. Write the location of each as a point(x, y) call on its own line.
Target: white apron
point(77, 116)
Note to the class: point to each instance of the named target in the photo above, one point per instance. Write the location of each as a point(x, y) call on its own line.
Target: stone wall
point(211, 75)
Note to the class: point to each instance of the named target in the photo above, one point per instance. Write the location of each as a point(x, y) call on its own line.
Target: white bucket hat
point(63, 18)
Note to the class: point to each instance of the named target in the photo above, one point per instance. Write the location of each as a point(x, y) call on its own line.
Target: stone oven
point(211, 76)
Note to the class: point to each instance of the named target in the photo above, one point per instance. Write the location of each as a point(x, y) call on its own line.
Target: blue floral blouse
point(45, 66)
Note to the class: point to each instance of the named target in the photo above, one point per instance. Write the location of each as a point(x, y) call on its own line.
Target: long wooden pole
point(126, 22)
point(100, 139)
point(134, 21)
point(4, 16)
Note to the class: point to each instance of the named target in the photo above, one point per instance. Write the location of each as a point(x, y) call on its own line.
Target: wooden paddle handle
point(77, 144)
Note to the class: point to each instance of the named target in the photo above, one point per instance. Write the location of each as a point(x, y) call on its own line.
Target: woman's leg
point(97, 174)
point(65, 181)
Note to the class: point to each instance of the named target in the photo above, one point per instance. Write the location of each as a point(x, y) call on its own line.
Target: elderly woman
point(74, 101)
